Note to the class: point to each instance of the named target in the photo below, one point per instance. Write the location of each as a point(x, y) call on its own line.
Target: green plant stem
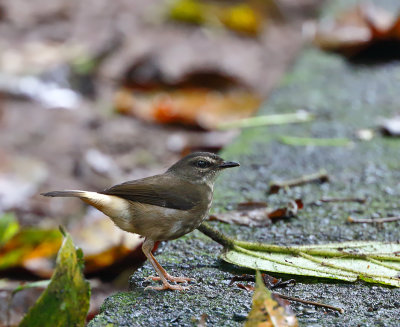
point(217, 236)
point(304, 141)
point(275, 119)
point(231, 243)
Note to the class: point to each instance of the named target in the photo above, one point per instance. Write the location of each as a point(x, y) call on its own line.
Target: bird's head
point(201, 167)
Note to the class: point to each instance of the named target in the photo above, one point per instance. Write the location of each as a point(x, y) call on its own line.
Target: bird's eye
point(202, 164)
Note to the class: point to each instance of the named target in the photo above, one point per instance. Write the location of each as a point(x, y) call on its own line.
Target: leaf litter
point(372, 262)
point(358, 29)
point(257, 214)
point(202, 98)
point(106, 248)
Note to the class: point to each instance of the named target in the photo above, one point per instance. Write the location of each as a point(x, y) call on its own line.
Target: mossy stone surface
point(345, 97)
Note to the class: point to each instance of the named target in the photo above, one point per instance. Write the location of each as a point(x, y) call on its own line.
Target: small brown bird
point(160, 207)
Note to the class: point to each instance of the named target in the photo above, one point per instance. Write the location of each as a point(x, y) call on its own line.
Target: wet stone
point(339, 93)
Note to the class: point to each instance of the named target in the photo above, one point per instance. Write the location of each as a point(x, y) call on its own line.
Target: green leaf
point(309, 141)
point(373, 262)
point(65, 302)
point(29, 243)
point(267, 310)
point(8, 227)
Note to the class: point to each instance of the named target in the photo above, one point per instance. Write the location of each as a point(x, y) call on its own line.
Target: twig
point(373, 221)
point(359, 200)
point(321, 176)
point(309, 302)
point(277, 119)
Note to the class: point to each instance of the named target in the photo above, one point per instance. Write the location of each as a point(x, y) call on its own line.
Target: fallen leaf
point(8, 227)
point(373, 262)
point(246, 287)
point(203, 98)
point(290, 211)
point(256, 214)
point(268, 310)
point(188, 11)
point(65, 302)
point(31, 249)
point(391, 127)
point(269, 281)
point(198, 107)
point(108, 250)
point(242, 277)
point(242, 18)
point(357, 29)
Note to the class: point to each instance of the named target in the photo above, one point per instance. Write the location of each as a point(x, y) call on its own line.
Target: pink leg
point(163, 275)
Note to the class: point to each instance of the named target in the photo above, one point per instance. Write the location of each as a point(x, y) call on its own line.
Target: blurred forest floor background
point(95, 93)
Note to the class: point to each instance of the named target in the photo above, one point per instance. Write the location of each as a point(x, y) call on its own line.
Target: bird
point(161, 207)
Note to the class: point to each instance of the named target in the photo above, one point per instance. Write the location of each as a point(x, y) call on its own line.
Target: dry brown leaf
point(197, 107)
point(246, 287)
point(257, 214)
point(356, 29)
point(200, 98)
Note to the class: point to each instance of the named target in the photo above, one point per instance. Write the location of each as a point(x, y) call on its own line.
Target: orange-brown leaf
point(267, 310)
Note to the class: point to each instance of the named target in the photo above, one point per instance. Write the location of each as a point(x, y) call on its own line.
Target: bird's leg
point(166, 275)
point(163, 275)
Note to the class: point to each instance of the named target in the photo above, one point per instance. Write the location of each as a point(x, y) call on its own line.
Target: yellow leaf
point(268, 310)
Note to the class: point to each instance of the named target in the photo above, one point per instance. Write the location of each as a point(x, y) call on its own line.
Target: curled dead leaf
point(356, 29)
point(257, 214)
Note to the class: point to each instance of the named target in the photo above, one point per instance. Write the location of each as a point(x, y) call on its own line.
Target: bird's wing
point(160, 190)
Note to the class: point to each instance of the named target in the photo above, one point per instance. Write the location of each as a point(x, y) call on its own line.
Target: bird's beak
point(229, 164)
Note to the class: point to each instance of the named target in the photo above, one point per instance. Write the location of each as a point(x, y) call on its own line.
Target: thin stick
point(309, 302)
point(359, 200)
point(321, 176)
point(373, 221)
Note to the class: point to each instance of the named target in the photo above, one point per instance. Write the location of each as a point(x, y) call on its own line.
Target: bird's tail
point(111, 205)
point(68, 193)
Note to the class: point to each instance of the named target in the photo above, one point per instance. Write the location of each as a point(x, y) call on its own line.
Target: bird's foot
point(171, 278)
point(168, 286)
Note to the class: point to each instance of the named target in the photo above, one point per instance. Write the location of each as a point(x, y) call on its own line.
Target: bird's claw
point(167, 286)
point(171, 279)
